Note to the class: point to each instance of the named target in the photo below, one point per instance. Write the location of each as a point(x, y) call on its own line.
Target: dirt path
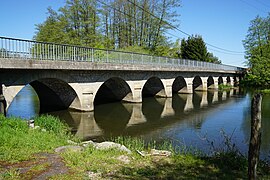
point(42, 166)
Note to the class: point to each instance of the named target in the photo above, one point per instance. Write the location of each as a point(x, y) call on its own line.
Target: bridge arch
point(210, 81)
point(179, 84)
point(113, 90)
point(53, 94)
point(197, 82)
point(228, 79)
point(153, 87)
point(220, 80)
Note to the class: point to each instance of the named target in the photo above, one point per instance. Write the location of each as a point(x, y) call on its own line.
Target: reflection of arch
point(179, 84)
point(113, 90)
point(178, 103)
point(210, 81)
point(153, 87)
point(53, 94)
point(112, 118)
point(197, 81)
point(152, 108)
point(220, 80)
point(196, 100)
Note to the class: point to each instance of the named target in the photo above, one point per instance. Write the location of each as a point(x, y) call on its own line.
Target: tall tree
point(111, 23)
point(257, 46)
point(195, 48)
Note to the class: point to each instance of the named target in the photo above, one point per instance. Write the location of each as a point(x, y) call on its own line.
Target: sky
point(223, 24)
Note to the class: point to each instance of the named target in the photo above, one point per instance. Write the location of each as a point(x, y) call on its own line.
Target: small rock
point(124, 159)
point(155, 152)
point(92, 175)
point(68, 148)
point(72, 142)
point(88, 143)
point(37, 127)
point(111, 145)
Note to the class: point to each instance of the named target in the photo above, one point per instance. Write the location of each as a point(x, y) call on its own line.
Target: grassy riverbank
point(29, 153)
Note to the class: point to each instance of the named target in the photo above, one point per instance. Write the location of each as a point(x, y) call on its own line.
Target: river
point(192, 120)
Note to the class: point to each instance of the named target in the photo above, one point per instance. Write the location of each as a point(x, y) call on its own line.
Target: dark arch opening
point(113, 90)
point(53, 94)
point(153, 87)
point(220, 80)
point(210, 81)
point(236, 83)
point(178, 84)
point(228, 80)
point(197, 81)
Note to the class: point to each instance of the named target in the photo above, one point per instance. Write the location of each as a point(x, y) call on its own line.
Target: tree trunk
point(255, 136)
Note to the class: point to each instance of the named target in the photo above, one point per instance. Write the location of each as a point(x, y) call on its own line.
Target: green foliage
point(195, 48)
point(52, 124)
point(91, 23)
point(257, 46)
point(18, 142)
point(224, 87)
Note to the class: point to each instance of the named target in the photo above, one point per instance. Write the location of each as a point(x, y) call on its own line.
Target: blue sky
point(221, 23)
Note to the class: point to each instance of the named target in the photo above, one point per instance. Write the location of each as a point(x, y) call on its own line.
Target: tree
point(111, 24)
point(257, 46)
point(195, 48)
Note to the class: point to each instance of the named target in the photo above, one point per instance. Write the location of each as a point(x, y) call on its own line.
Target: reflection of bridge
point(75, 77)
point(152, 113)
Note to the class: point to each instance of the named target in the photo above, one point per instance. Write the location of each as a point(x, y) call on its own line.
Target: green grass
point(224, 86)
point(18, 142)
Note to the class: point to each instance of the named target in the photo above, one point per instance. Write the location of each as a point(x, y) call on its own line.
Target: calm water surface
point(186, 119)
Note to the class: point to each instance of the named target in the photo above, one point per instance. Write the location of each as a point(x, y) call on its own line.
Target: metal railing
point(27, 49)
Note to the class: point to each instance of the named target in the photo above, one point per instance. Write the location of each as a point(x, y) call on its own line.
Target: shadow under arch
point(179, 84)
point(113, 90)
point(220, 80)
point(197, 82)
point(210, 81)
point(53, 94)
point(153, 87)
point(228, 79)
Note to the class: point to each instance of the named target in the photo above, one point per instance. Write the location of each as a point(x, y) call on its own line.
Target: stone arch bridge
point(74, 77)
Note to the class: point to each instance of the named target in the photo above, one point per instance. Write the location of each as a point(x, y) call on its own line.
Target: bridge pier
point(224, 80)
point(167, 83)
point(215, 85)
point(3, 103)
point(8, 94)
point(189, 87)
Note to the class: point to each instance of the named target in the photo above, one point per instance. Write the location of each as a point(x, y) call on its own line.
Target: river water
point(193, 120)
